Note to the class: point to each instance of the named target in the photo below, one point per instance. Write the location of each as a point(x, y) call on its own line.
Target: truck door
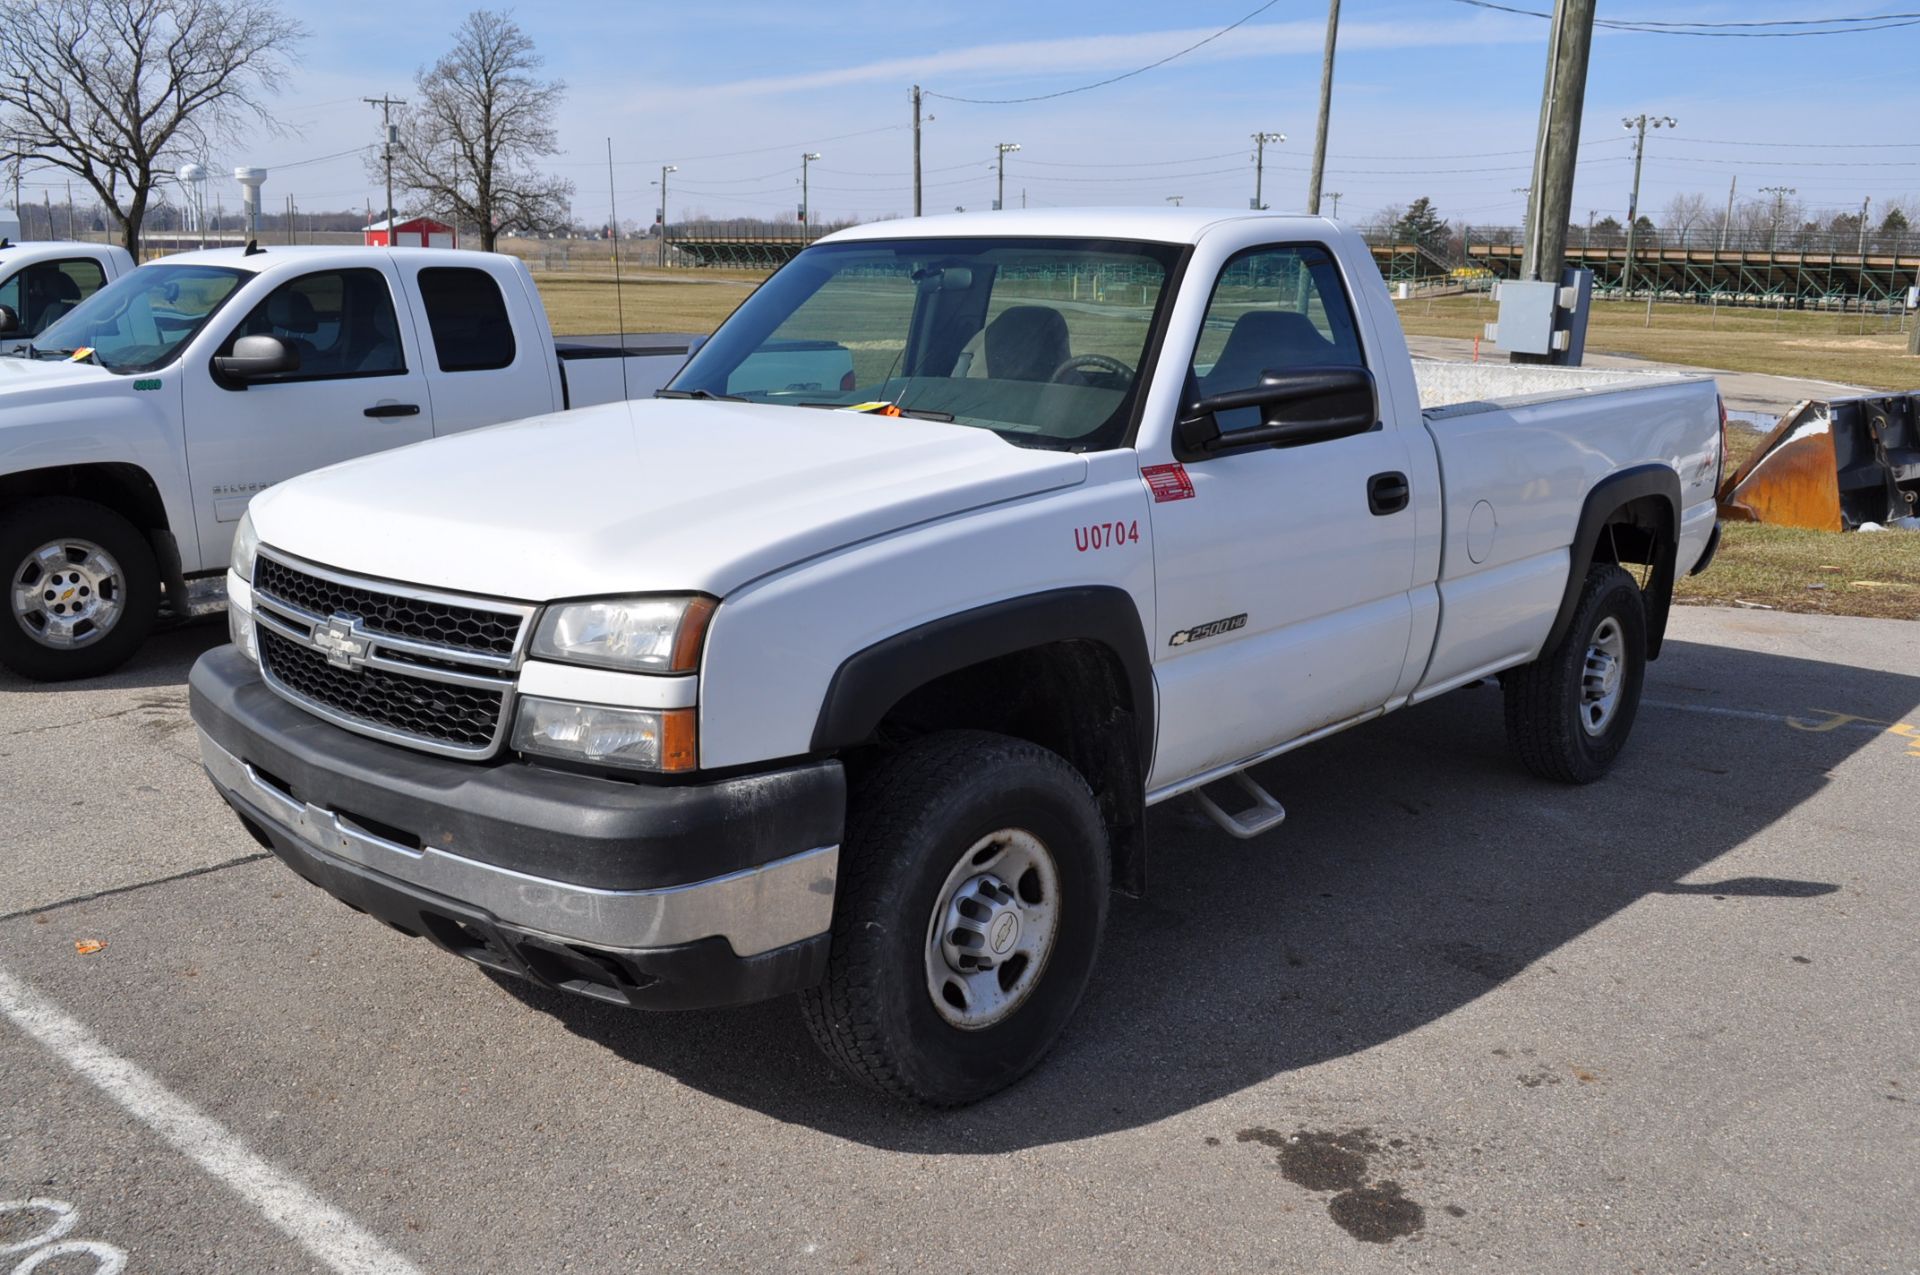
point(484, 374)
point(45, 291)
point(360, 388)
point(1282, 582)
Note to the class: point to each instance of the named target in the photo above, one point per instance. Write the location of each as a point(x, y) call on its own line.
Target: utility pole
point(664, 170)
point(1557, 148)
point(1640, 122)
point(806, 209)
point(1334, 195)
point(1002, 150)
point(1726, 226)
point(1779, 194)
point(1591, 214)
point(1864, 205)
point(388, 138)
point(1175, 199)
point(1260, 141)
point(1326, 109)
point(916, 150)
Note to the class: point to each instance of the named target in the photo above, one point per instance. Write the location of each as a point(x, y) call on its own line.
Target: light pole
point(664, 170)
point(1001, 151)
point(1175, 199)
point(1260, 141)
point(1639, 123)
point(806, 212)
point(1779, 194)
point(1526, 212)
point(1591, 213)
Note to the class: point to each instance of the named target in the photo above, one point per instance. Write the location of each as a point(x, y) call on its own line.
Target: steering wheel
point(1092, 363)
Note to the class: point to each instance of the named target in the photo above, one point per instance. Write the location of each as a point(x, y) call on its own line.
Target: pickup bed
point(136, 426)
point(851, 667)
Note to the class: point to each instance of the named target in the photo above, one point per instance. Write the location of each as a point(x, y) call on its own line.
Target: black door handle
point(395, 409)
point(1388, 493)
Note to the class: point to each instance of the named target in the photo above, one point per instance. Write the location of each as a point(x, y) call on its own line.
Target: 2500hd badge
point(1213, 628)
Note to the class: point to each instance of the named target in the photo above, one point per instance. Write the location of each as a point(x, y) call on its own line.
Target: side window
point(468, 319)
point(42, 293)
point(1273, 309)
point(340, 322)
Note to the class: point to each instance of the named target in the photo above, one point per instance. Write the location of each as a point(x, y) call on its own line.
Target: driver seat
point(1025, 343)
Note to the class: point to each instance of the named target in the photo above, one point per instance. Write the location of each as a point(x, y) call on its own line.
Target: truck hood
point(661, 495)
point(28, 382)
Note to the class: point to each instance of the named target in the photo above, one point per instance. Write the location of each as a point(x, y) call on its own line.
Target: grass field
point(652, 301)
point(1851, 348)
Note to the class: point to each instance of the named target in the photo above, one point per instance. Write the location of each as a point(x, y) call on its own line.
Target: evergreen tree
point(1422, 225)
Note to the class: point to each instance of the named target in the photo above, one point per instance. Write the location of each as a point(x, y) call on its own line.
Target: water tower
point(251, 180)
point(193, 184)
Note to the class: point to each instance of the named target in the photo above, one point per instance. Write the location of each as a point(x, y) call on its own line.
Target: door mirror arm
point(1303, 405)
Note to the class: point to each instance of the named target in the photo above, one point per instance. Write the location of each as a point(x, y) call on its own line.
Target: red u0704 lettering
point(1106, 535)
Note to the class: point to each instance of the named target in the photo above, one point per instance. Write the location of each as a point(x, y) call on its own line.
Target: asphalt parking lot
point(1447, 1018)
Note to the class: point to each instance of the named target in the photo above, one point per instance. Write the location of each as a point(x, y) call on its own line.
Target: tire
point(92, 553)
point(1559, 721)
point(919, 826)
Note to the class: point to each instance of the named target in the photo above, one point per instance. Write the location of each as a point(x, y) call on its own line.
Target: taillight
point(847, 383)
point(1720, 471)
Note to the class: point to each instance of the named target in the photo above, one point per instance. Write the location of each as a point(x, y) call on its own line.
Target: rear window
point(468, 319)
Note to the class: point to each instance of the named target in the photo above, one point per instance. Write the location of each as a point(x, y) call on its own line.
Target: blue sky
point(1431, 97)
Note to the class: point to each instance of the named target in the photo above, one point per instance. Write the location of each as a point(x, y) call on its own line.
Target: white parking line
point(317, 1226)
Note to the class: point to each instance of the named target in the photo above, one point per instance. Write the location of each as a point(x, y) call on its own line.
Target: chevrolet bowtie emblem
point(343, 641)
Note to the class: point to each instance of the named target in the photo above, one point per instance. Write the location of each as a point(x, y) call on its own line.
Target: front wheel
point(973, 891)
point(1570, 711)
point(83, 589)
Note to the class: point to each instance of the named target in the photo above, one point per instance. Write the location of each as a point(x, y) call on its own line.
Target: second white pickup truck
point(137, 424)
point(855, 678)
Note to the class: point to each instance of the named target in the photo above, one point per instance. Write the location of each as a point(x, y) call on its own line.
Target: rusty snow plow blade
point(1832, 465)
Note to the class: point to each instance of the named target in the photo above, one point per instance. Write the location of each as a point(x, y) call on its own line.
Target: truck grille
point(441, 623)
point(412, 667)
point(457, 715)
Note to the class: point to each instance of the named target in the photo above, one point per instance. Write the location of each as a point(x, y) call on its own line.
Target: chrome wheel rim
point(1604, 674)
point(68, 594)
point(993, 926)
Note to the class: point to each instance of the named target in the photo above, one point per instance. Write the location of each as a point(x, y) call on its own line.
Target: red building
point(420, 232)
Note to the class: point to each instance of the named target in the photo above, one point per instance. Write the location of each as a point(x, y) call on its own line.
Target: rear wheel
point(82, 589)
point(972, 895)
point(1570, 711)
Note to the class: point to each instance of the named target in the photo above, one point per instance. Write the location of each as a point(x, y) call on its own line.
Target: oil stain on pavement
point(1377, 1211)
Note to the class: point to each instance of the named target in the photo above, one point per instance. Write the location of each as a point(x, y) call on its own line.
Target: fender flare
point(870, 682)
point(1606, 498)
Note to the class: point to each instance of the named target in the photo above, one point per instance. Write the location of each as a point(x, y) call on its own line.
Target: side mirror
point(1302, 405)
point(255, 357)
point(9, 320)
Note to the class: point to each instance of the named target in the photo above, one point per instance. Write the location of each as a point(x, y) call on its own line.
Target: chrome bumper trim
point(755, 910)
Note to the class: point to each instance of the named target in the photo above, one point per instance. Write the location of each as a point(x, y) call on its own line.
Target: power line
point(1721, 30)
point(1112, 79)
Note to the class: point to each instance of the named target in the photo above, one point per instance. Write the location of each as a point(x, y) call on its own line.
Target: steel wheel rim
point(993, 927)
point(68, 594)
point(1602, 676)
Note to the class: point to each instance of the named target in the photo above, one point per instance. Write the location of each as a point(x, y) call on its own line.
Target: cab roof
point(1180, 225)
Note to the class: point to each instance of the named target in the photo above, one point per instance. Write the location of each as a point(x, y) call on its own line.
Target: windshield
point(140, 321)
point(1038, 340)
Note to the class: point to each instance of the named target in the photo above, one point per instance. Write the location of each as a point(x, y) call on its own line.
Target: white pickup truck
point(43, 280)
point(862, 691)
point(135, 427)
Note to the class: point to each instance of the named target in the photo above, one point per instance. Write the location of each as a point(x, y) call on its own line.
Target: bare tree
point(468, 147)
point(117, 92)
point(1685, 214)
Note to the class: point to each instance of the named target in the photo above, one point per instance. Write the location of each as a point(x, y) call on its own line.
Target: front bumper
point(646, 895)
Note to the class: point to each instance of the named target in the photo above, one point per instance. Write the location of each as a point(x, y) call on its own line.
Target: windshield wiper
point(917, 413)
point(703, 394)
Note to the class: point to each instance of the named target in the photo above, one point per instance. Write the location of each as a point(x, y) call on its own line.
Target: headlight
point(246, 546)
point(637, 635)
point(635, 738)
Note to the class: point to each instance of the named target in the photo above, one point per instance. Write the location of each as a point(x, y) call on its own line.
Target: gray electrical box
point(1545, 320)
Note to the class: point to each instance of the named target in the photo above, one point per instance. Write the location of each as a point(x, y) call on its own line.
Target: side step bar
point(1265, 814)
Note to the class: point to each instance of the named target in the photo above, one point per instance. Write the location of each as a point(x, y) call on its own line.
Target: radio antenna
point(619, 307)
